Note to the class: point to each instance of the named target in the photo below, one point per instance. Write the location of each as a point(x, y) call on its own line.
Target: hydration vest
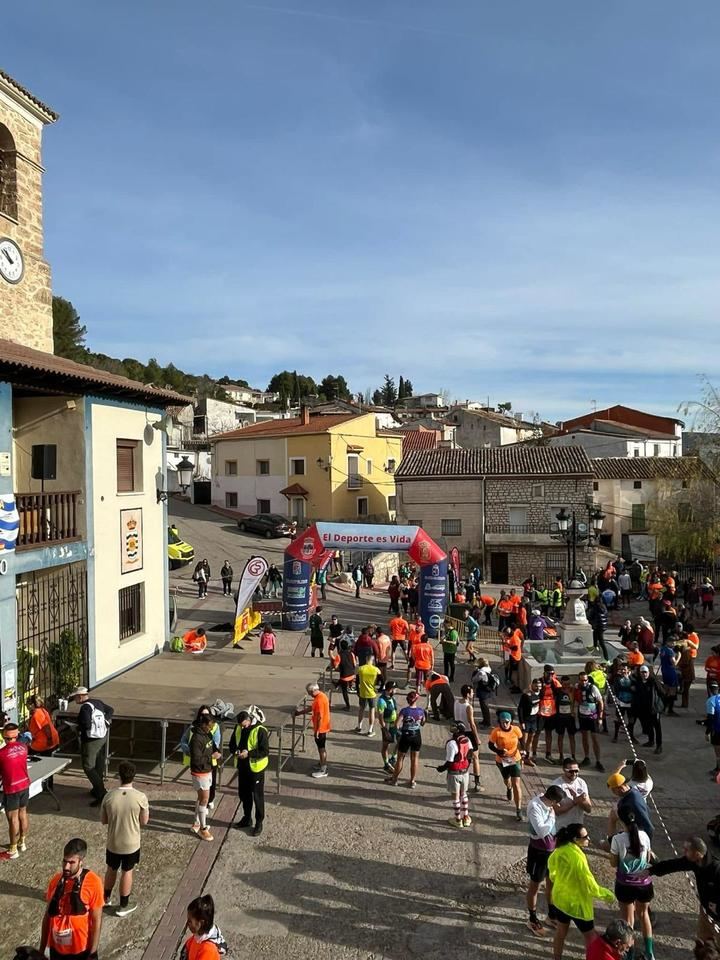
point(77, 907)
point(461, 761)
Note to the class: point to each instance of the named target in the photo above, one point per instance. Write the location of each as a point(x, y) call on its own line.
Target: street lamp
point(184, 472)
point(573, 532)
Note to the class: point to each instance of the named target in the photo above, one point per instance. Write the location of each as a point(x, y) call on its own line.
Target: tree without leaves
point(68, 333)
point(685, 520)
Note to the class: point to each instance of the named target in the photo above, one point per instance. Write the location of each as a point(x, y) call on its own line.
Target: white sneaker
point(318, 774)
point(371, 732)
point(211, 805)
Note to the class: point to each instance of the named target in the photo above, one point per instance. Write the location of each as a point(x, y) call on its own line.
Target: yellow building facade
point(324, 467)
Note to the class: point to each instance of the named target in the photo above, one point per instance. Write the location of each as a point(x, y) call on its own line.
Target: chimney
point(304, 414)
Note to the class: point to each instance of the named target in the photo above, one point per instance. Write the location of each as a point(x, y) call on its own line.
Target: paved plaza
point(347, 867)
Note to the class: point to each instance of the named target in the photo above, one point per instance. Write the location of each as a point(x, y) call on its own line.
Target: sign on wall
point(131, 540)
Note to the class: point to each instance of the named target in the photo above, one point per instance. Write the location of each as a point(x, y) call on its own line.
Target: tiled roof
point(504, 419)
point(34, 369)
point(291, 427)
point(497, 461)
point(419, 440)
point(649, 468)
point(294, 490)
point(51, 115)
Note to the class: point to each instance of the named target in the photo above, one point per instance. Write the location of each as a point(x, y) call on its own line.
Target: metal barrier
point(487, 642)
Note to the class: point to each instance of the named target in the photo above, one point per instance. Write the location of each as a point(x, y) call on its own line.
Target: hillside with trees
point(292, 387)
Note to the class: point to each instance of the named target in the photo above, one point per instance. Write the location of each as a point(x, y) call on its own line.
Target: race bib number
point(62, 936)
point(565, 709)
point(508, 761)
point(546, 710)
point(588, 710)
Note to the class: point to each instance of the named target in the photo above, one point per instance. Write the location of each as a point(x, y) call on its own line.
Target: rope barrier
point(689, 877)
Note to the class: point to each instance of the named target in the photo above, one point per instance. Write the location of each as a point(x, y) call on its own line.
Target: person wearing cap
point(250, 747)
point(647, 705)
point(16, 788)
point(387, 714)
point(669, 660)
point(507, 743)
point(629, 801)
point(93, 722)
point(411, 720)
point(458, 754)
point(590, 709)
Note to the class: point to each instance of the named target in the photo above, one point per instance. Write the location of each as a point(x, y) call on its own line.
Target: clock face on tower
point(12, 266)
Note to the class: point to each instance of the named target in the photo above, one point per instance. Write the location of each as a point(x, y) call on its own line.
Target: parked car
point(179, 552)
point(268, 524)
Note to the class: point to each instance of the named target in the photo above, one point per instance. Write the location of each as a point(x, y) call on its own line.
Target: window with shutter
point(126, 453)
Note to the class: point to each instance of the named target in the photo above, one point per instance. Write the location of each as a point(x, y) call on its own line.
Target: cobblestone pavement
point(350, 867)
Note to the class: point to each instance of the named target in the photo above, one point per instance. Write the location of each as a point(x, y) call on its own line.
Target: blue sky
point(514, 200)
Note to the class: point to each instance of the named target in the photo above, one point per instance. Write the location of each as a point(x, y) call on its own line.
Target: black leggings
point(344, 687)
point(651, 727)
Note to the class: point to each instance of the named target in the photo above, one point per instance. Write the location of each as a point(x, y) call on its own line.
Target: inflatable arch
point(314, 547)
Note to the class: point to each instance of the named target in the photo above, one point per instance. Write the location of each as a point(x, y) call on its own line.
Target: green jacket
point(450, 641)
point(573, 886)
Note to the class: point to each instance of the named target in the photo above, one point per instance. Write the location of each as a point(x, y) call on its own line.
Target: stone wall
point(25, 307)
point(540, 495)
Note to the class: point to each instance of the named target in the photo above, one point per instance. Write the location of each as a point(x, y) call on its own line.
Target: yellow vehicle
point(179, 552)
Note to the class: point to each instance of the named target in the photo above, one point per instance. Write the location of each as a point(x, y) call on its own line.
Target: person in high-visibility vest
point(250, 747)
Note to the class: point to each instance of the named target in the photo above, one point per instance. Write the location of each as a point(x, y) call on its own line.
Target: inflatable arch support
point(314, 547)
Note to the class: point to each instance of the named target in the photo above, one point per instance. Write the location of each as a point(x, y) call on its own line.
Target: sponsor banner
point(253, 573)
point(455, 563)
point(297, 577)
point(433, 595)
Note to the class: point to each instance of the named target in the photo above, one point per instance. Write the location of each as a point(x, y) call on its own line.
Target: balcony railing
point(47, 518)
point(521, 528)
point(354, 482)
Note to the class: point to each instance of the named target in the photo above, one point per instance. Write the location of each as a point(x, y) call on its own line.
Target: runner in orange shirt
point(319, 711)
point(398, 637)
point(512, 646)
point(70, 929)
point(195, 641)
point(712, 666)
point(416, 631)
point(634, 657)
point(506, 611)
point(488, 603)
point(424, 661)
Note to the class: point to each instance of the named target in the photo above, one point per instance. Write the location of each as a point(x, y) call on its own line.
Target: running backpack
point(177, 645)
point(98, 723)
point(493, 682)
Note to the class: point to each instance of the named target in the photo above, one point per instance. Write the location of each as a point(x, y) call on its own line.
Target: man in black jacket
point(93, 725)
point(250, 745)
point(706, 869)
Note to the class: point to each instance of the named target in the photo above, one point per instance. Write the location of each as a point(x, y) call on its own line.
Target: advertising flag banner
point(253, 573)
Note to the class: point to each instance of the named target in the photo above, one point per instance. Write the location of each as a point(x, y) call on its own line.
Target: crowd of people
point(564, 715)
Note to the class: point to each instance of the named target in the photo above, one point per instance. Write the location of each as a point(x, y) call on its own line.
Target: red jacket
point(600, 949)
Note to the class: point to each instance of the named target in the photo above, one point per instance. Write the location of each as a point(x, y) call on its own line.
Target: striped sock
point(457, 807)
